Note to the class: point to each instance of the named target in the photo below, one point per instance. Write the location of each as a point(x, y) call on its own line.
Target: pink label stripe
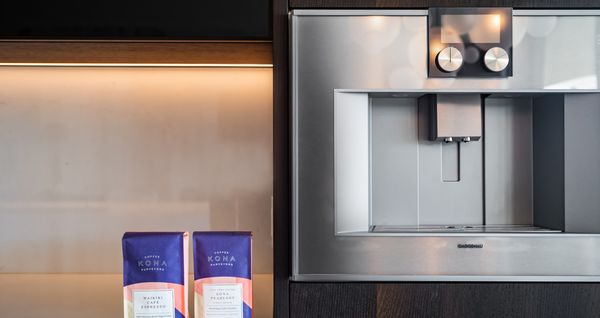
point(177, 288)
point(246, 286)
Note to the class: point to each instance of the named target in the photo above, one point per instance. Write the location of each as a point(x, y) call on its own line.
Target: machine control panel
point(470, 42)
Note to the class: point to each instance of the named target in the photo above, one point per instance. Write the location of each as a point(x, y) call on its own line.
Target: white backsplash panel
point(89, 153)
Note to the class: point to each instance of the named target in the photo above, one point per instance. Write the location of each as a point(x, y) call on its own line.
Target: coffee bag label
point(223, 300)
point(154, 304)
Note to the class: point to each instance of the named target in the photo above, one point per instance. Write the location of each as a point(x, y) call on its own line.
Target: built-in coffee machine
point(446, 144)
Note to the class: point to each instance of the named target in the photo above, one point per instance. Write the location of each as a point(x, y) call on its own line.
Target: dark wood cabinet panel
point(443, 3)
point(281, 161)
point(447, 300)
point(136, 20)
point(330, 300)
point(488, 300)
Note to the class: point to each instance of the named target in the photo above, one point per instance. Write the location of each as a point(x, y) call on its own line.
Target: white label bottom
point(223, 300)
point(153, 304)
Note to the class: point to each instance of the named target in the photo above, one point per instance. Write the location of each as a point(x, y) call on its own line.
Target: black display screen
point(135, 19)
point(478, 28)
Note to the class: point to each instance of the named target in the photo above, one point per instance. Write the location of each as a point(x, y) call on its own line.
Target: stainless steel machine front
point(399, 175)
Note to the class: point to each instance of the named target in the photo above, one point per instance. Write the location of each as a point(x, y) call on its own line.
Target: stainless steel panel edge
point(294, 137)
point(370, 12)
point(508, 91)
point(437, 278)
point(345, 258)
point(317, 12)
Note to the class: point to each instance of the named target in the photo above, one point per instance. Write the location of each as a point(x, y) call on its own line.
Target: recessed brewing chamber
point(463, 162)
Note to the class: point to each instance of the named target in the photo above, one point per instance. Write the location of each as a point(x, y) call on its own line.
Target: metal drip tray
point(462, 229)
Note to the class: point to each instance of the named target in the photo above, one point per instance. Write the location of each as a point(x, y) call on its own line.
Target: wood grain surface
point(136, 52)
point(464, 300)
point(281, 161)
point(328, 300)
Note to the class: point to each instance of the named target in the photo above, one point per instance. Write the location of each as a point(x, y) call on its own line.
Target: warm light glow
point(137, 65)
point(435, 48)
point(497, 20)
point(376, 22)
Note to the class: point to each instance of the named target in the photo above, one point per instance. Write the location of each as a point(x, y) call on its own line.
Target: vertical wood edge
point(281, 161)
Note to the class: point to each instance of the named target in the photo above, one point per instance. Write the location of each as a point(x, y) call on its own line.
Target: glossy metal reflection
point(450, 59)
point(496, 59)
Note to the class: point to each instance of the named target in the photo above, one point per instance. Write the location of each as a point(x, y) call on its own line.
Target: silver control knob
point(449, 59)
point(496, 59)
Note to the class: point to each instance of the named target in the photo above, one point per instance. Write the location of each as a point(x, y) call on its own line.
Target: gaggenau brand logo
point(152, 263)
point(221, 258)
point(469, 245)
